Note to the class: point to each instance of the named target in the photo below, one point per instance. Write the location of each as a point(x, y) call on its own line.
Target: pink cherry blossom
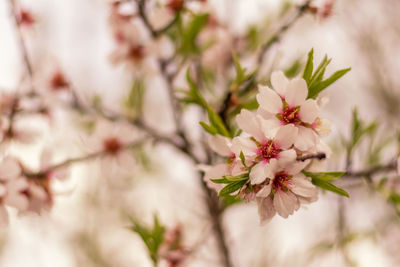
point(288, 104)
point(264, 144)
point(284, 189)
point(232, 165)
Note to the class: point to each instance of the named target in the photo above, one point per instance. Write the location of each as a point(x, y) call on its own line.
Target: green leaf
point(325, 176)
point(240, 71)
point(210, 129)
point(243, 159)
point(231, 187)
point(240, 177)
point(151, 237)
point(220, 181)
point(134, 102)
point(321, 179)
point(308, 70)
point(330, 187)
point(319, 87)
point(319, 71)
point(189, 35)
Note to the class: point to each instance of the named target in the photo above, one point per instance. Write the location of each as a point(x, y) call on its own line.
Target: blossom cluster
point(270, 154)
point(24, 191)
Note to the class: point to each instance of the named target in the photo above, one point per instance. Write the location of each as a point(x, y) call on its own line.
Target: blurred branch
point(154, 32)
point(301, 10)
point(372, 171)
point(87, 157)
point(212, 201)
point(23, 49)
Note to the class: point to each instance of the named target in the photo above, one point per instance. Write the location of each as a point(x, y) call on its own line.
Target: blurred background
point(87, 225)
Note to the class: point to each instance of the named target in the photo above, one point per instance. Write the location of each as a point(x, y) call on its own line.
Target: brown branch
point(212, 202)
point(319, 156)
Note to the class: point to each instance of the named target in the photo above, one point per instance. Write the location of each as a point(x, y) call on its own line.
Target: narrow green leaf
point(319, 87)
point(309, 66)
point(240, 177)
point(220, 181)
point(231, 187)
point(243, 159)
point(330, 187)
point(210, 129)
point(325, 176)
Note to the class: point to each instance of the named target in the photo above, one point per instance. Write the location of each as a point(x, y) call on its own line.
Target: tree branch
point(319, 156)
point(65, 163)
point(277, 36)
point(373, 171)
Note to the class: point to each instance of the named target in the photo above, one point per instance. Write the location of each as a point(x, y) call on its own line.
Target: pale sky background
point(77, 34)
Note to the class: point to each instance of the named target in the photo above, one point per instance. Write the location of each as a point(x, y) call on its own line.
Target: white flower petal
point(9, 169)
point(271, 168)
point(303, 186)
point(215, 172)
point(265, 191)
point(285, 203)
point(309, 111)
point(245, 145)
point(287, 156)
point(296, 92)
point(268, 127)
point(266, 209)
point(257, 173)
point(306, 139)
point(219, 144)
point(248, 122)
point(269, 100)
point(295, 167)
point(279, 82)
point(18, 201)
point(285, 136)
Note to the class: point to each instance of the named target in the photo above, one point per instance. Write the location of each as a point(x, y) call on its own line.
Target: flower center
point(268, 150)
point(282, 181)
point(112, 145)
point(176, 5)
point(58, 81)
point(136, 52)
point(289, 115)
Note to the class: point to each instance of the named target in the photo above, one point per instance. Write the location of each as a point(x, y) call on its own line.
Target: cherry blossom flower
point(288, 104)
point(12, 187)
point(111, 140)
point(323, 9)
point(283, 190)
point(223, 147)
point(264, 145)
point(175, 5)
point(25, 18)
point(171, 250)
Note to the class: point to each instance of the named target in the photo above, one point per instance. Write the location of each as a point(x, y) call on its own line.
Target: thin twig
point(277, 36)
point(23, 49)
point(85, 158)
point(372, 171)
point(319, 156)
